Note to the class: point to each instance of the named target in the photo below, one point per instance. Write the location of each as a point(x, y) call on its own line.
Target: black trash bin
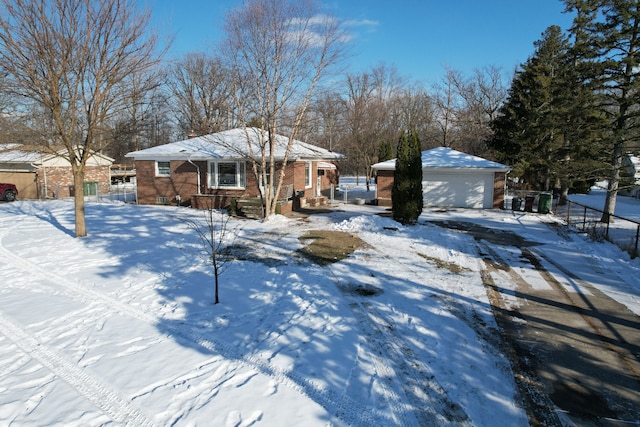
point(528, 203)
point(544, 203)
point(516, 203)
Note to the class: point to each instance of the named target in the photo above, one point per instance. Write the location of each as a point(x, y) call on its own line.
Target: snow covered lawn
point(119, 327)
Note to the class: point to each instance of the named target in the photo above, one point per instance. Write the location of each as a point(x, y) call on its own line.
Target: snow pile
point(371, 223)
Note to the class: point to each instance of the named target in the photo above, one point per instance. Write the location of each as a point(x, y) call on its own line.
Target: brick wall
point(330, 177)
point(499, 179)
point(384, 185)
point(183, 182)
point(59, 180)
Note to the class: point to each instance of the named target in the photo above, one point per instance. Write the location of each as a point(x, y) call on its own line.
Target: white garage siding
point(450, 179)
point(459, 189)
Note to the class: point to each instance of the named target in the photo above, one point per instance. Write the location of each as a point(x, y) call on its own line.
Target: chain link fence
point(623, 232)
point(121, 192)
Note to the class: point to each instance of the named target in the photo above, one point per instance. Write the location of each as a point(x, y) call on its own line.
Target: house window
point(307, 175)
point(227, 175)
point(163, 168)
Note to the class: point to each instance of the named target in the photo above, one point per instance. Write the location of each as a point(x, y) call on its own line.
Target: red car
point(8, 192)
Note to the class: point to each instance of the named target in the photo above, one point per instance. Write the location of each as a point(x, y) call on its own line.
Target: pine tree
point(582, 158)
point(385, 152)
point(406, 195)
point(607, 39)
point(526, 133)
point(544, 127)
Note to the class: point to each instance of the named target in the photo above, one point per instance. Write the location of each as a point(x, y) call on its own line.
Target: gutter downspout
point(44, 175)
point(198, 172)
point(506, 189)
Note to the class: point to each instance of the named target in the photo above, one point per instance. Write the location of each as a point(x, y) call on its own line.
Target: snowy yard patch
point(120, 326)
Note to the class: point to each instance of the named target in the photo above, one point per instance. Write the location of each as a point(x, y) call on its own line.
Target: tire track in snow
point(427, 403)
point(407, 409)
point(91, 388)
point(537, 404)
point(421, 385)
point(347, 411)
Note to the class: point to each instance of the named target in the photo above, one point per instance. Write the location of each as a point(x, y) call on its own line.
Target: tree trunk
point(614, 182)
point(564, 192)
point(78, 185)
point(216, 274)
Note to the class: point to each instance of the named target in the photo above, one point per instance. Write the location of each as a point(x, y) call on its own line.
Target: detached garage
point(450, 178)
point(45, 175)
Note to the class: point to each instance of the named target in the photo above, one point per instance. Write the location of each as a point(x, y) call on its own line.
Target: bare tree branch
point(72, 58)
point(278, 51)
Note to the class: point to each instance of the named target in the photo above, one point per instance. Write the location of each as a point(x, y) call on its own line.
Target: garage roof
point(447, 158)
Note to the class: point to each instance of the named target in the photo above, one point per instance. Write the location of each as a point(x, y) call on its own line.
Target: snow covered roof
point(447, 158)
point(231, 144)
point(15, 153)
point(33, 155)
point(635, 166)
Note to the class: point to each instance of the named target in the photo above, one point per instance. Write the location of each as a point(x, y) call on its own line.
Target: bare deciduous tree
point(214, 238)
point(144, 121)
point(414, 109)
point(201, 88)
point(329, 124)
point(72, 58)
point(482, 94)
point(467, 105)
point(369, 114)
point(448, 105)
point(278, 51)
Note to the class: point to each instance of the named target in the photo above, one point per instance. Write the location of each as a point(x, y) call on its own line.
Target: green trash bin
point(544, 203)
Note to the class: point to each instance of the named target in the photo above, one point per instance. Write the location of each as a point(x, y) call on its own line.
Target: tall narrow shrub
point(406, 195)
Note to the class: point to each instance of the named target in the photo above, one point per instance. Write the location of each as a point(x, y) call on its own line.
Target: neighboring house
point(450, 179)
point(46, 175)
point(214, 170)
point(631, 174)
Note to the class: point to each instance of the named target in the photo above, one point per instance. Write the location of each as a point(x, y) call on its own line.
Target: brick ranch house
point(213, 170)
point(38, 175)
point(450, 178)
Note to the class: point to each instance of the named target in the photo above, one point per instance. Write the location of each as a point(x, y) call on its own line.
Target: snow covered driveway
point(574, 349)
point(119, 327)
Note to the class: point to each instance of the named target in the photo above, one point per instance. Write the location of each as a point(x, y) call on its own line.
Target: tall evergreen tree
point(583, 156)
point(607, 39)
point(385, 152)
point(537, 129)
point(406, 194)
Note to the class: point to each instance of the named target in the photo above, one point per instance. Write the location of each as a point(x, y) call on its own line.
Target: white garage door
point(458, 189)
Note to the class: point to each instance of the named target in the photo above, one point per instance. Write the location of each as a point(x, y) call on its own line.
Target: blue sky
point(419, 37)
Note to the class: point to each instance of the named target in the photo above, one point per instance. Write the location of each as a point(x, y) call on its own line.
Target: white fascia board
point(464, 169)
